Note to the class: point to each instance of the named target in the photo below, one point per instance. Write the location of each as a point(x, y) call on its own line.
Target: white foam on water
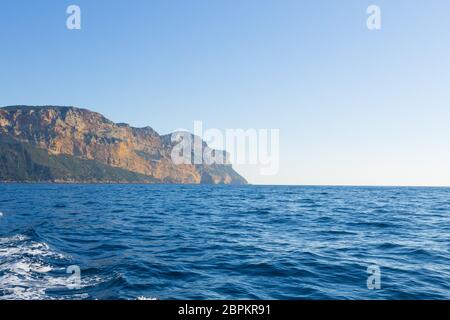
point(146, 298)
point(13, 239)
point(25, 274)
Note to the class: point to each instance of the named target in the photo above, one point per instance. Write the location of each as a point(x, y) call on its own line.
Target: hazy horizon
point(353, 106)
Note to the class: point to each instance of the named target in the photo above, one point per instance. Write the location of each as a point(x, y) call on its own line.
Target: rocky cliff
point(68, 144)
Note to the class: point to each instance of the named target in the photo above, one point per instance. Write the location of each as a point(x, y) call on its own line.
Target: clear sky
point(353, 106)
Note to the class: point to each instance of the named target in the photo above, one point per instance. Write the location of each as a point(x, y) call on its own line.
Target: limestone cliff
point(71, 135)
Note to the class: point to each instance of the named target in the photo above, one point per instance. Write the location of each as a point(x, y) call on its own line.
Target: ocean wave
point(146, 298)
point(189, 244)
point(31, 270)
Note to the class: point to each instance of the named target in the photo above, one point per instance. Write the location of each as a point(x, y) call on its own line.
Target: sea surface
point(223, 242)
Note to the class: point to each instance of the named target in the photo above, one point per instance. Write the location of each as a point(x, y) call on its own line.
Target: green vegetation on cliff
point(24, 163)
point(69, 144)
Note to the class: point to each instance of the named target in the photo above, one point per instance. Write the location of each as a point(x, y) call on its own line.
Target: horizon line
point(225, 185)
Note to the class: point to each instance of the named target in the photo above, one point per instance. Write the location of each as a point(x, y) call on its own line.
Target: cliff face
point(89, 138)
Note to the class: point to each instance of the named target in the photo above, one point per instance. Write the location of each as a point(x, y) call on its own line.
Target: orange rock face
point(89, 135)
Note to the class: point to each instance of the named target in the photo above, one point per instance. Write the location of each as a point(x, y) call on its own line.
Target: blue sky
point(354, 107)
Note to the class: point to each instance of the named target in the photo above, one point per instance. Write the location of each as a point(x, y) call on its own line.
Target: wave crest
point(31, 270)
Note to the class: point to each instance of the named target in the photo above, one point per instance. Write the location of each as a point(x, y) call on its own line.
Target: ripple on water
point(31, 270)
point(179, 242)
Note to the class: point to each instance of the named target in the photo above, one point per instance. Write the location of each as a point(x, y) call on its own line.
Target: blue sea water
point(223, 242)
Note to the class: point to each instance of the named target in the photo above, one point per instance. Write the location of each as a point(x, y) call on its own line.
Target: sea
point(164, 242)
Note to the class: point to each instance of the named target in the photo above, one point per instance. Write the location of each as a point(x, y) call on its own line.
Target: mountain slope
point(25, 163)
point(69, 144)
